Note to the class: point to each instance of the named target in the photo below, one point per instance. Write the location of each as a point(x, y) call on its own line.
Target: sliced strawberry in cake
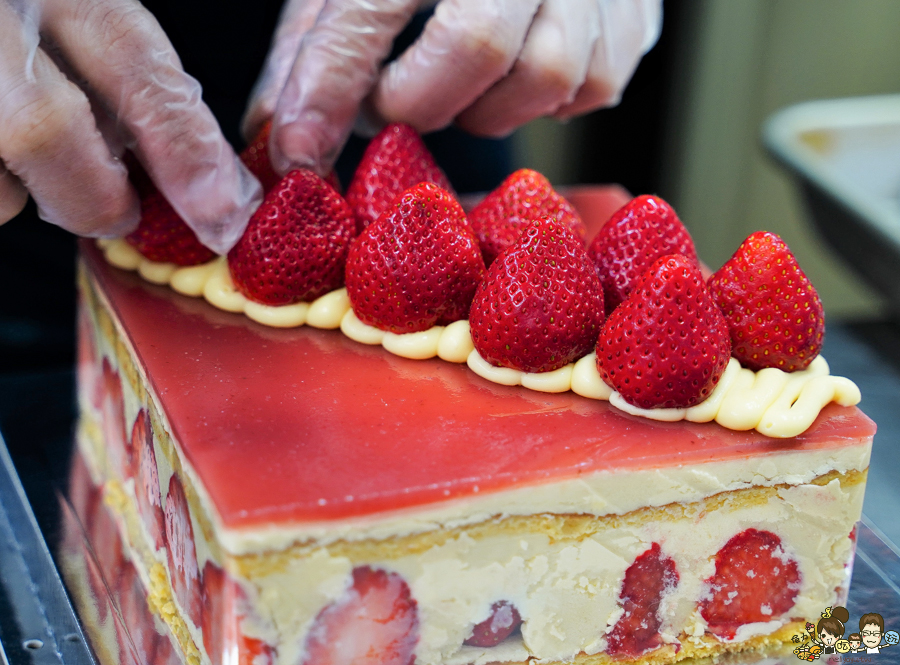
point(136, 637)
point(181, 551)
point(374, 623)
point(149, 499)
point(647, 581)
point(112, 404)
point(756, 580)
point(222, 617)
point(503, 622)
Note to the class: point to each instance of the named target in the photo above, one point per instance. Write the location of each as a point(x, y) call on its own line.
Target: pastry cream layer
point(773, 402)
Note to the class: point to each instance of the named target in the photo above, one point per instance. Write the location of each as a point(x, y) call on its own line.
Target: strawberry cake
point(291, 496)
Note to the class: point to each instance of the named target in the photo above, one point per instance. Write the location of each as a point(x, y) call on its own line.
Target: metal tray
point(845, 156)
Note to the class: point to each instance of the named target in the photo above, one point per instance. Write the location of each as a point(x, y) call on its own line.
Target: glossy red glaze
point(305, 425)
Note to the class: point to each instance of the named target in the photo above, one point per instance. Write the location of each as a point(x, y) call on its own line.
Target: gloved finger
point(297, 17)
point(336, 67)
point(550, 69)
point(49, 140)
point(13, 195)
point(628, 29)
point(129, 63)
point(464, 49)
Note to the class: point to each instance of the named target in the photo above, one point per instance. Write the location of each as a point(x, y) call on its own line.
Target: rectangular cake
point(293, 497)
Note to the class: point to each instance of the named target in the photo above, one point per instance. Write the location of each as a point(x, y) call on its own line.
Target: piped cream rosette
point(775, 403)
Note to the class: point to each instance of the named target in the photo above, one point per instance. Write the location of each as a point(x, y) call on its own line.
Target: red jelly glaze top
point(306, 425)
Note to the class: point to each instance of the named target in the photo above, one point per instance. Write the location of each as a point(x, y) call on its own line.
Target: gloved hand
point(77, 77)
point(489, 65)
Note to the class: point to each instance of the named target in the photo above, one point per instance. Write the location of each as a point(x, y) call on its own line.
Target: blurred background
point(688, 128)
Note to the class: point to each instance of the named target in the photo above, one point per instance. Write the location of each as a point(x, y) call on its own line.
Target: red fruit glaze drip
point(755, 580)
point(291, 406)
point(502, 623)
point(647, 581)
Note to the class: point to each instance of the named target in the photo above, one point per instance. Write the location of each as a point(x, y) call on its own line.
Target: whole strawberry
point(162, 235)
point(394, 161)
point(541, 305)
point(417, 266)
point(637, 234)
point(774, 314)
point(296, 243)
point(522, 199)
point(667, 345)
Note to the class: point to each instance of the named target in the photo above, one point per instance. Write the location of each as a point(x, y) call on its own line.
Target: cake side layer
point(103, 533)
point(438, 435)
point(563, 573)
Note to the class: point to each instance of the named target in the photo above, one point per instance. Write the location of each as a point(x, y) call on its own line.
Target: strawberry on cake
point(609, 484)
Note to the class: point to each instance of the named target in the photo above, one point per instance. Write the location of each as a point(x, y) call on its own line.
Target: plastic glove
point(489, 65)
point(77, 77)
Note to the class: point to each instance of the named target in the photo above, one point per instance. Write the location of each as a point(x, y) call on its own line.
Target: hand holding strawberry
point(162, 235)
point(394, 161)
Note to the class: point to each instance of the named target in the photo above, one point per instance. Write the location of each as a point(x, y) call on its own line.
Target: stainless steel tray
point(845, 156)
